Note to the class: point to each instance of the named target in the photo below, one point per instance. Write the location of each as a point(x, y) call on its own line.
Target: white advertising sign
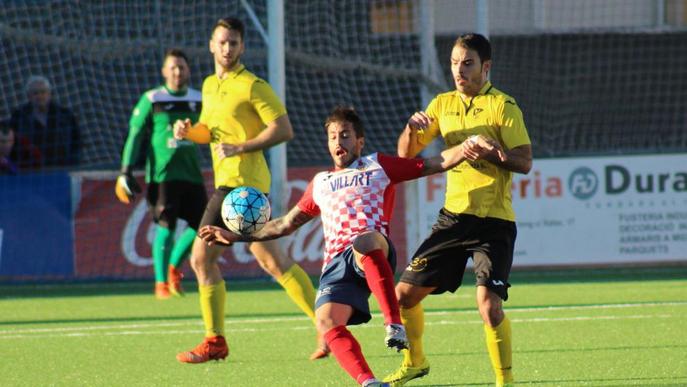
point(585, 210)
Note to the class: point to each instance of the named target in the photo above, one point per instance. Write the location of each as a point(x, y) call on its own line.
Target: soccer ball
point(245, 210)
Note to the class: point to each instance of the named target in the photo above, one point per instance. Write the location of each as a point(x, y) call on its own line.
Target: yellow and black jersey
point(478, 188)
point(236, 109)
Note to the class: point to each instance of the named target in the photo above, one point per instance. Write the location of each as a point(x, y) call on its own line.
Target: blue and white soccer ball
point(245, 210)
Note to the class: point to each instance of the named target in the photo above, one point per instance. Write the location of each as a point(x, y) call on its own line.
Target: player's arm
point(198, 133)
point(126, 186)
point(275, 132)
point(514, 137)
point(408, 143)
point(518, 159)
point(474, 148)
point(273, 229)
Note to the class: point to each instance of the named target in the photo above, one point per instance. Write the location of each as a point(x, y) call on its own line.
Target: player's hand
point(479, 147)
point(181, 128)
point(226, 150)
point(419, 120)
point(214, 234)
point(126, 188)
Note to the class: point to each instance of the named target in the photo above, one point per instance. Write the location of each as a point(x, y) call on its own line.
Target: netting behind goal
point(592, 77)
point(102, 55)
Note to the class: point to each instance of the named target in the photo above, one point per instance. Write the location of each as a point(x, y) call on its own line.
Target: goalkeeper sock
point(182, 247)
point(161, 249)
point(212, 299)
point(348, 353)
point(498, 341)
point(300, 289)
point(380, 280)
point(414, 322)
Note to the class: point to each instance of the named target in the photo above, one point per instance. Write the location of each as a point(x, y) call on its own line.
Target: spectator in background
point(51, 128)
point(7, 166)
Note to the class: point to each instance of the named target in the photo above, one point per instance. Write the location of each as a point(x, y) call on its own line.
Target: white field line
point(145, 328)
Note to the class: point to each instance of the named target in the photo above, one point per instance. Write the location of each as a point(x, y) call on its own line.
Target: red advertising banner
point(113, 240)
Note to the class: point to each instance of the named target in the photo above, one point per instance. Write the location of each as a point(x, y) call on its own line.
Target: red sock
point(380, 280)
point(347, 352)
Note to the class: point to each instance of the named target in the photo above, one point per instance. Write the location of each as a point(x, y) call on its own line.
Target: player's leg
point(212, 295)
point(288, 273)
point(493, 260)
point(165, 219)
point(374, 255)
point(295, 281)
point(331, 322)
point(437, 266)
point(211, 289)
point(191, 203)
point(497, 333)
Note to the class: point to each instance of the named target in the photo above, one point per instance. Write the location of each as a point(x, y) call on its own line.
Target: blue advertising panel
point(36, 227)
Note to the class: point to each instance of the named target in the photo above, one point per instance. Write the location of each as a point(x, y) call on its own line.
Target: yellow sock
point(414, 321)
point(498, 341)
point(212, 299)
point(300, 289)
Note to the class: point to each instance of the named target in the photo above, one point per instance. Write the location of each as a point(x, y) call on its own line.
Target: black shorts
point(213, 212)
point(170, 200)
point(343, 282)
point(441, 259)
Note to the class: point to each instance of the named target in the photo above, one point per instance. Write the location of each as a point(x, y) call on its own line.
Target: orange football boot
point(161, 291)
point(212, 348)
point(174, 276)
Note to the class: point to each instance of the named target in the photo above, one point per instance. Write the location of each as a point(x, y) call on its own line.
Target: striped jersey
point(356, 199)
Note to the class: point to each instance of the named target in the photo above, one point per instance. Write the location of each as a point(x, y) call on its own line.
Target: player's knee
point(270, 266)
point(199, 260)
point(491, 310)
point(324, 324)
point(369, 241)
point(408, 296)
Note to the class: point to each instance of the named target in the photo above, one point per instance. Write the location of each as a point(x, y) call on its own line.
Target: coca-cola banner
point(113, 240)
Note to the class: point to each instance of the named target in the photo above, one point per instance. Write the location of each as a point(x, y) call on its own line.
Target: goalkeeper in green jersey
point(175, 183)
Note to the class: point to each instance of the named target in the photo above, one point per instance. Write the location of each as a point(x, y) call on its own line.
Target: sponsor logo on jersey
point(477, 111)
point(357, 180)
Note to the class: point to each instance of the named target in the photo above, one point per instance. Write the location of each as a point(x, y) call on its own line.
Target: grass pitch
point(611, 327)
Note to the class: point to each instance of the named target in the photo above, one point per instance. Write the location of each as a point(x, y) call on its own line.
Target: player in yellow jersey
point(241, 116)
point(477, 219)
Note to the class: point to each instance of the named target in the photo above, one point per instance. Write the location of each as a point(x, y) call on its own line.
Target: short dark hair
point(346, 114)
point(230, 23)
point(175, 52)
point(477, 42)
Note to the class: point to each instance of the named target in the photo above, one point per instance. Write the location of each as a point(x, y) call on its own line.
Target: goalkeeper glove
point(126, 187)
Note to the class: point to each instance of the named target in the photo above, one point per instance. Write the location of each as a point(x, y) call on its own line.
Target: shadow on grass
point(134, 319)
point(519, 276)
point(116, 288)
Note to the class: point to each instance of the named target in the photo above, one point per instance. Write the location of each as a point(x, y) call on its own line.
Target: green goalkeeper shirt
point(167, 158)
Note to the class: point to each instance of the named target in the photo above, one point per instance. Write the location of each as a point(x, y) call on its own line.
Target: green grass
point(610, 327)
